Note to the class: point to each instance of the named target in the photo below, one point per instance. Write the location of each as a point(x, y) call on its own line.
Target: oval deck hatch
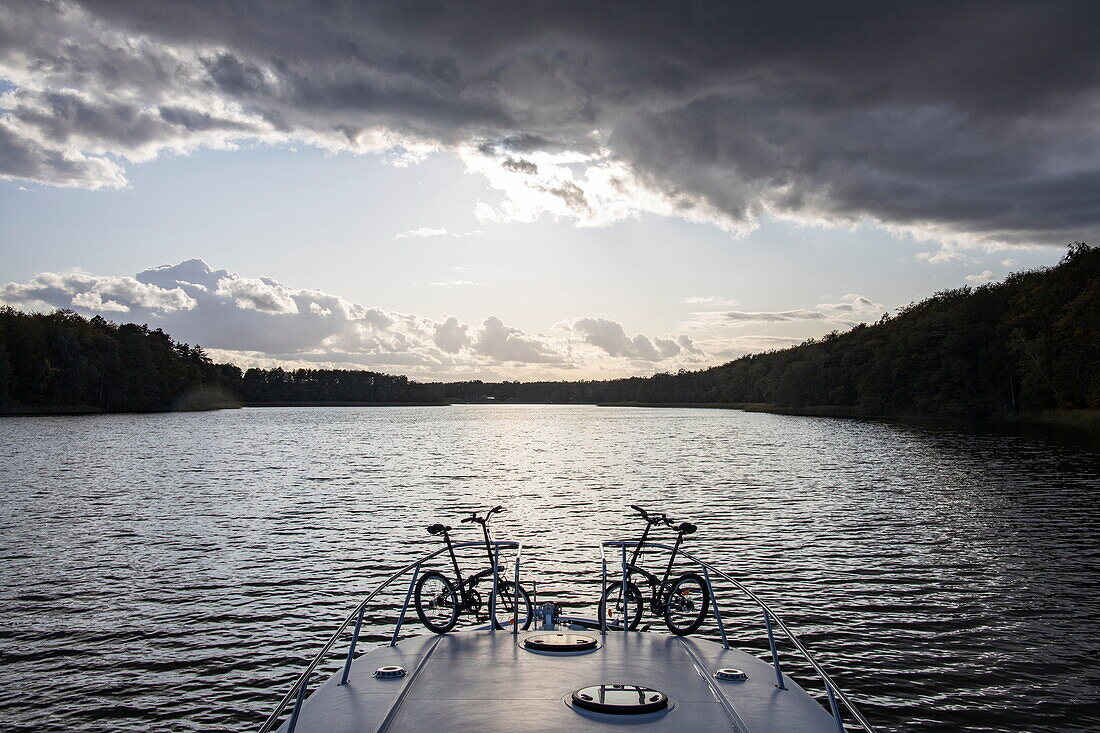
point(560, 643)
point(620, 699)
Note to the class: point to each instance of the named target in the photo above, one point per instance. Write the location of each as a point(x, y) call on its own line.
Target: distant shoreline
point(1077, 419)
point(1087, 420)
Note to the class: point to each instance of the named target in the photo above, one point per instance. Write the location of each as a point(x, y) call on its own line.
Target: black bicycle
point(683, 602)
point(439, 600)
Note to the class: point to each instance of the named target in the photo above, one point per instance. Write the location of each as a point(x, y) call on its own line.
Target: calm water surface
point(176, 571)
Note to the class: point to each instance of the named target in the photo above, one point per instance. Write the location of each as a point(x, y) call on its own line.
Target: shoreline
point(1083, 420)
point(1086, 420)
point(78, 410)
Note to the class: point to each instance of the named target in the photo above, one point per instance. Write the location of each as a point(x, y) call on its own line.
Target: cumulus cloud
point(980, 278)
point(260, 321)
point(96, 293)
point(900, 113)
point(610, 338)
point(450, 335)
point(501, 343)
point(262, 295)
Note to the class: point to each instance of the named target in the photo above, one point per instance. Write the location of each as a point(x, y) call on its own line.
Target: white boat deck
point(482, 681)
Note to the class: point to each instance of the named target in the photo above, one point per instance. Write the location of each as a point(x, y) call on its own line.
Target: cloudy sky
point(526, 190)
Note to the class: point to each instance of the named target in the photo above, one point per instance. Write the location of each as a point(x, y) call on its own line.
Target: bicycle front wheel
point(505, 609)
point(618, 609)
point(687, 603)
point(436, 602)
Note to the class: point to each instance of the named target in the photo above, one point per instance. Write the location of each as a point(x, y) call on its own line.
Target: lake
point(176, 571)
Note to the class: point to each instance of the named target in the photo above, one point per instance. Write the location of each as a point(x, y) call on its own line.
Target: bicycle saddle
point(687, 528)
point(438, 529)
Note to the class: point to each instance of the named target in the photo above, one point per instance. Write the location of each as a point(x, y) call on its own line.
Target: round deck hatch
point(729, 674)
point(620, 699)
point(560, 643)
point(389, 672)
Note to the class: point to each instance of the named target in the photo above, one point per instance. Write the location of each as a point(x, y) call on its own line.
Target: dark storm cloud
point(957, 120)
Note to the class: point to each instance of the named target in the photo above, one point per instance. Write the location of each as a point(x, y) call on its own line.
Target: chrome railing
point(832, 689)
point(297, 692)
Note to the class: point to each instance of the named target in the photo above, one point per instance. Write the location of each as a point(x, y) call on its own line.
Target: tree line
point(62, 361)
point(1027, 344)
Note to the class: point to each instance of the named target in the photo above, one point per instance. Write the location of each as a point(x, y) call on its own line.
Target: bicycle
point(683, 603)
point(439, 601)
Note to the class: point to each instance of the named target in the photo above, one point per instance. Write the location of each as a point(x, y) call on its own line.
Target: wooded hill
point(1024, 345)
point(1028, 344)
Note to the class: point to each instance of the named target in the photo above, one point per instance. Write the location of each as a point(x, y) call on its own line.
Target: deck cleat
point(389, 672)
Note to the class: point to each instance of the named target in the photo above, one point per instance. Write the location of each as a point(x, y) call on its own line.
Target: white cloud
point(93, 292)
point(261, 294)
point(502, 343)
point(943, 256)
point(450, 335)
point(851, 309)
point(257, 321)
point(980, 278)
point(609, 337)
point(421, 232)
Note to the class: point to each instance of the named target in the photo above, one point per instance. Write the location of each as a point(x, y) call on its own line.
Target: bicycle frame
point(464, 599)
point(463, 602)
point(657, 603)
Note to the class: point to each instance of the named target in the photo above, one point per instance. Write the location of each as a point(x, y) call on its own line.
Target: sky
point(534, 190)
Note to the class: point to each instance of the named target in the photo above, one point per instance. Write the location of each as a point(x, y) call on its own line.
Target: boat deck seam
point(395, 708)
point(735, 720)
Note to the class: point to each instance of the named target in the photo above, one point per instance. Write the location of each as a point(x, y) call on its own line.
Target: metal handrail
point(297, 690)
point(831, 687)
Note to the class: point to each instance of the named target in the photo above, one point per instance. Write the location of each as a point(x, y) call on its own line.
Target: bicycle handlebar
point(651, 518)
point(482, 520)
point(683, 527)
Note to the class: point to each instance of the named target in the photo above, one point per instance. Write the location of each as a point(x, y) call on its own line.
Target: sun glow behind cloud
point(716, 123)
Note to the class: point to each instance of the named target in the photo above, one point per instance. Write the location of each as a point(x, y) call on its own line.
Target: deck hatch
point(560, 643)
point(620, 699)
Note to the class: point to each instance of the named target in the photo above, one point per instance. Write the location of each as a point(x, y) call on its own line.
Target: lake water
point(176, 571)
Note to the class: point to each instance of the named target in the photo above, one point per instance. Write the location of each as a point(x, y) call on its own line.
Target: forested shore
point(1024, 347)
point(1002, 351)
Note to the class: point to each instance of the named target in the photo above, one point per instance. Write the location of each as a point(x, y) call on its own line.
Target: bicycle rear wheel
point(436, 602)
point(687, 604)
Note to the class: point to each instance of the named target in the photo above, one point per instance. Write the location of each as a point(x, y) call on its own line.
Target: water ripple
point(177, 571)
